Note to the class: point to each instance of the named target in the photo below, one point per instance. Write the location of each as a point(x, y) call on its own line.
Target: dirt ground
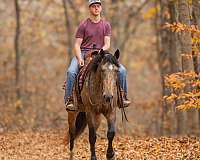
point(51, 145)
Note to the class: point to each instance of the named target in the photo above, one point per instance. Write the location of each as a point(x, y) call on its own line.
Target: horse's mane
point(106, 57)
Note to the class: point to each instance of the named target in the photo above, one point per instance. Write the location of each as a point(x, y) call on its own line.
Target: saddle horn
point(94, 46)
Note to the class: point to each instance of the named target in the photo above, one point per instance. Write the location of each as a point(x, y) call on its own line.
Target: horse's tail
point(80, 124)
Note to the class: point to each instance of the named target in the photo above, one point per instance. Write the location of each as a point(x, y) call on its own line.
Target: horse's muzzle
point(108, 97)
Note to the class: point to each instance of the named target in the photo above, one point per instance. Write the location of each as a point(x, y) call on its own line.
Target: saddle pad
point(81, 76)
point(83, 71)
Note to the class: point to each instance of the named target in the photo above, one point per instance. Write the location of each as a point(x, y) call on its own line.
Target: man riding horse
point(94, 31)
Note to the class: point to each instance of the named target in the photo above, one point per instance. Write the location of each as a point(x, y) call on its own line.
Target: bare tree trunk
point(196, 21)
point(177, 117)
point(17, 50)
point(175, 55)
point(69, 30)
point(196, 57)
point(187, 61)
point(164, 65)
point(185, 38)
point(196, 11)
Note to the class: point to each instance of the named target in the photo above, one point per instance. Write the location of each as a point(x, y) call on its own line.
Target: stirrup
point(126, 102)
point(69, 105)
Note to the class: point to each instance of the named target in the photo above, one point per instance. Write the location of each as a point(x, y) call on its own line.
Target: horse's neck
point(96, 80)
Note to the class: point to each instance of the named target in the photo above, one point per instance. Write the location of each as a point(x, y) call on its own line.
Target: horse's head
point(109, 68)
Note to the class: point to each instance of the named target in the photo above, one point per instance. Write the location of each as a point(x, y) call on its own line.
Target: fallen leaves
point(52, 146)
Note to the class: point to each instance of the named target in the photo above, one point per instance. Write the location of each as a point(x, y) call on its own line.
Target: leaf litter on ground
point(52, 145)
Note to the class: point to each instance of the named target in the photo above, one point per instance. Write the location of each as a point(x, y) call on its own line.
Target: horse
point(99, 95)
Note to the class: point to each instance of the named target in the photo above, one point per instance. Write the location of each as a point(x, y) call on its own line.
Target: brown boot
point(70, 105)
point(126, 102)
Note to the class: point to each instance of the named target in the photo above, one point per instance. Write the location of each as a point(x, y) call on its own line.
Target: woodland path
point(51, 145)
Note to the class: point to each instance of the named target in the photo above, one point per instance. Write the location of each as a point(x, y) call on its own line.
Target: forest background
point(159, 44)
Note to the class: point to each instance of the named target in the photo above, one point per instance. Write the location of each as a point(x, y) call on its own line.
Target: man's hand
point(81, 62)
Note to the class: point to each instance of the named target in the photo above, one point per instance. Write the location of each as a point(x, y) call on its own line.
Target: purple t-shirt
point(93, 33)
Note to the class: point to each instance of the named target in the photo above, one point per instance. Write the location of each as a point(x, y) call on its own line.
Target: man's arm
point(78, 51)
point(106, 43)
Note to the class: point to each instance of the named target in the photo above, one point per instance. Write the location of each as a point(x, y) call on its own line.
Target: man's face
point(95, 9)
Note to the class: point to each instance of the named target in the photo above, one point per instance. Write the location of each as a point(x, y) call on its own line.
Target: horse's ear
point(102, 53)
point(117, 54)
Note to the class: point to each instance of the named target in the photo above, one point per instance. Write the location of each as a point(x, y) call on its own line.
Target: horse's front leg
point(92, 135)
point(111, 119)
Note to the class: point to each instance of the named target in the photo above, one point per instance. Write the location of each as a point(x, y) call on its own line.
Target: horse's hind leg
point(111, 118)
point(71, 122)
point(71, 134)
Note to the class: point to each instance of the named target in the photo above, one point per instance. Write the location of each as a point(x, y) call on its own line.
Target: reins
point(124, 116)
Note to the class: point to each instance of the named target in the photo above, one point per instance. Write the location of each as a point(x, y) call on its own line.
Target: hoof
point(111, 156)
point(71, 155)
point(94, 158)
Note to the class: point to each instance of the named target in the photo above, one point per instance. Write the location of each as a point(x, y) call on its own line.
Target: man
point(92, 31)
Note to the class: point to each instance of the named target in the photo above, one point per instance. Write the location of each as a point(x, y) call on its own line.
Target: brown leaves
point(179, 27)
point(50, 145)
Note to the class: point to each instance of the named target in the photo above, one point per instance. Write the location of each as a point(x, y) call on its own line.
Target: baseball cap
point(94, 1)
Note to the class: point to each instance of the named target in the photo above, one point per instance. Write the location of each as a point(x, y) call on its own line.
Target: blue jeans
point(73, 71)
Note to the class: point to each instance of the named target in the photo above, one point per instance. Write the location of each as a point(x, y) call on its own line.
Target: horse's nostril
point(108, 98)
